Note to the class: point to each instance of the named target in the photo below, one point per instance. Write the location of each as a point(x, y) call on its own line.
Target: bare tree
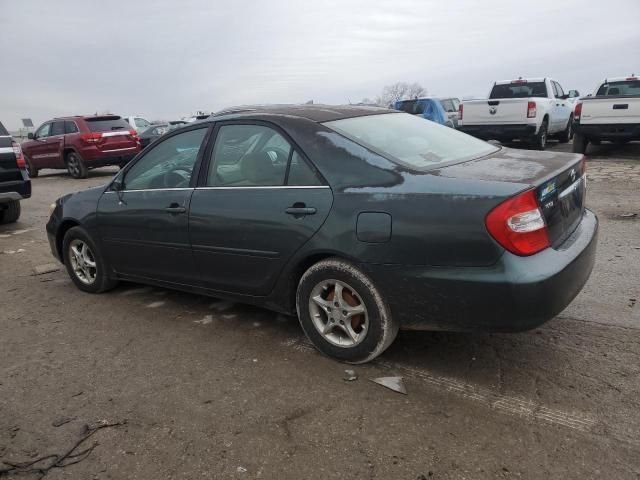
point(400, 91)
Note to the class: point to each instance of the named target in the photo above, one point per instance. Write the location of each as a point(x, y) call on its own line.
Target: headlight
point(52, 207)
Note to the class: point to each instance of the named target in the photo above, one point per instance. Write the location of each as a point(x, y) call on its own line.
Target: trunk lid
point(115, 131)
point(499, 111)
point(558, 180)
point(605, 110)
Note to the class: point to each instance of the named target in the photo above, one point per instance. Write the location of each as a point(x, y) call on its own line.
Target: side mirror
point(574, 93)
point(31, 136)
point(117, 185)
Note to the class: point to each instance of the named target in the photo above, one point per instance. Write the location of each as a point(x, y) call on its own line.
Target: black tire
point(33, 171)
point(580, 143)
point(539, 140)
point(10, 212)
point(567, 133)
point(381, 329)
point(76, 166)
point(102, 281)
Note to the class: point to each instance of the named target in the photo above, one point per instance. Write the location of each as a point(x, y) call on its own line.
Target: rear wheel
point(343, 313)
point(76, 166)
point(580, 143)
point(540, 139)
point(10, 212)
point(567, 134)
point(85, 264)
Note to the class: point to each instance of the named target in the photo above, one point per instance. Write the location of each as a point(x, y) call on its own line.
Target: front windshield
point(412, 141)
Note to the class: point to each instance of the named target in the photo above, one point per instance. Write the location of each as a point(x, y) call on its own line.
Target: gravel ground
point(209, 389)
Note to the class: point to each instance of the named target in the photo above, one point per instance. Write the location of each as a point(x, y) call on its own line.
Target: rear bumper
point(515, 294)
point(15, 190)
point(111, 159)
point(612, 131)
point(499, 132)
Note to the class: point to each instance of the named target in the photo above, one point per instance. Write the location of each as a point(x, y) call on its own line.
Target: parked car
point(14, 180)
point(612, 114)
point(81, 143)
point(530, 110)
point(151, 134)
point(429, 108)
point(359, 220)
point(138, 122)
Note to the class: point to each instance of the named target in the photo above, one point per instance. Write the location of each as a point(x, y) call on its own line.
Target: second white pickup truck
point(529, 110)
point(612, 114)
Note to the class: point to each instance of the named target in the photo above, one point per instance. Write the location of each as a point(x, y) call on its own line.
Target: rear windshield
point(626, 87)
point(411, 141)
point(3, 131)
point(106, 124)
point(519, 90)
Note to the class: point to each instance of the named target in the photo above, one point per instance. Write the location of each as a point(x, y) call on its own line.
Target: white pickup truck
point(530, 110)
point(612, 114)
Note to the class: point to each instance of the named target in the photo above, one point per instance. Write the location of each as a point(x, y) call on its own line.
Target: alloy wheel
point(73, 164)
point(338, 313)
point(83, 262)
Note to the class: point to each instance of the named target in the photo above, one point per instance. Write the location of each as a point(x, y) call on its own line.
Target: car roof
point(315, 113)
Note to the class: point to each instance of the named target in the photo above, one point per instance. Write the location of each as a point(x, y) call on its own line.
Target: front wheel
point(342, 312)
point(85, 264)
point(76, 166)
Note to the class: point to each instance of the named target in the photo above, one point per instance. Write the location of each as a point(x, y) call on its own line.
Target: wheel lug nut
point(336, 304)
point(344, 312)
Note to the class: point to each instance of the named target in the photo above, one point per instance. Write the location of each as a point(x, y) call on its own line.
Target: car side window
point(141, 123)
point(43, 131)
point(300, 173)
point(70, 127)
point(57, 128)
point(167, 164)
point(248, 156)
point(448, 106)
point(559, 90)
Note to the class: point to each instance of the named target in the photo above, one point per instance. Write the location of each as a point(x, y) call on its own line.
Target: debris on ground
point(628, 215)
point(350, 376)
point(392, 383)
point(42, 465)
point(241, 470)
point(46, 268)
point(62, 421)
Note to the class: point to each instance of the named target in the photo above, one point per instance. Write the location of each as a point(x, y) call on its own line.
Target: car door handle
point(175, 208)
point(301, 211)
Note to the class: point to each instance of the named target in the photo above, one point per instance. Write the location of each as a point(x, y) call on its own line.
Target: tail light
point(91, 138)
point(577, 112)
point(517, 224)
point(17, 150)
point(460, 111)
point(531, 110)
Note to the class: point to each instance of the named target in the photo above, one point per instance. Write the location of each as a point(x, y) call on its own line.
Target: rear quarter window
point(106, 124)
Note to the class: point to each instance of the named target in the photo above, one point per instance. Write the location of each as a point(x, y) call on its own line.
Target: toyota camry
point(359, 220)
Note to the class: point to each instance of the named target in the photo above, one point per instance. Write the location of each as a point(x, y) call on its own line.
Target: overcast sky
point(167, 58)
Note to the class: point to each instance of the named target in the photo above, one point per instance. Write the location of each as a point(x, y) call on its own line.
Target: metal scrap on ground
point(392, 383)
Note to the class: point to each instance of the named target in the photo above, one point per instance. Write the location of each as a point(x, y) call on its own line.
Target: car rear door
point(144, 223)
point(257, 203)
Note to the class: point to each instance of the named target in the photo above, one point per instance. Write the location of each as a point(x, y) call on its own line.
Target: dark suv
point(14, 180)
point(81, 143)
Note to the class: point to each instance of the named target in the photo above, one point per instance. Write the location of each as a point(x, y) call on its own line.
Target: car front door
point(40, 150)
point(258, 203)
point(143, 216)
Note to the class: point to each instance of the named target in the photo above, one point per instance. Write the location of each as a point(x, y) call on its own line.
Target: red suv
point(81, 143)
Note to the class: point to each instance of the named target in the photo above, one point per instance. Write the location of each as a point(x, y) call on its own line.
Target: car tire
point(33, 171)
point(355, 327)
point(580, 143)
point(567, 133)
point(540, 139)
point(85, 264)
point(10, 212)
point(76, 166)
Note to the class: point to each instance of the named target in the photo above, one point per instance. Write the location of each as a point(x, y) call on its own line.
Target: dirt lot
point(209, 389)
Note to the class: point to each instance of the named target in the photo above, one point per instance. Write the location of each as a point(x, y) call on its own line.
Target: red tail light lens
point(578, 111)
point(532, 111)
point(517, 225)
point(91, 138)
point(460, 111)
point(17, 150)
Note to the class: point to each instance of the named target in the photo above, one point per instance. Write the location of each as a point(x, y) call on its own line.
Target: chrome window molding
point(151, 190)
point(264, 187)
